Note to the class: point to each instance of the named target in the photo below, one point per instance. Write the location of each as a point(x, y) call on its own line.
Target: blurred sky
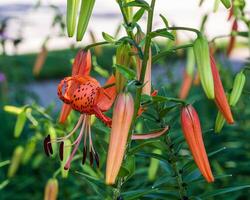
point(34, 24)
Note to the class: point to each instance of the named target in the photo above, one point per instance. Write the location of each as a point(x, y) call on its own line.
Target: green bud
point(190, 62)
point(219, 122)
point(52, 133)
point(15, 161)
point(226, 3)
point(51, 189)
point(238, 86)
point(128, 11)
point(122, 58)
point(154, 165)
point(21, 120)
point(85, 13)
point(72, 11)
point(201, 52)
point(29, 150)
point(66, 154)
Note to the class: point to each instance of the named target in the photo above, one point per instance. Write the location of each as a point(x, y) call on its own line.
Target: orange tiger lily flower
point(85, 95)
point(81, 67)
point(232, 38)
point(192, 132)
point(220, 96)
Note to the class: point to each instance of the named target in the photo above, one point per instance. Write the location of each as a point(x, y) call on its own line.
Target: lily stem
point(95, 44)
point(173, 162)
point(144, 61)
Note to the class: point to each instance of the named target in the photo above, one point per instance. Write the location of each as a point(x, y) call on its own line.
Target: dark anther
point(45, 146)
point(61, 150)
point(185, 198)
point(119, 198)
point(96, 159)
point(91, 158)
point(184, 184)
point(84, 154)
point(49, 145)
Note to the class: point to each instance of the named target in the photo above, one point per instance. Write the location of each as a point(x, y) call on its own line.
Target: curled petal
point(150, 135)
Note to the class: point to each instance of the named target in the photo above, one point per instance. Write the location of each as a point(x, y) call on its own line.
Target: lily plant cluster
point(133, 62)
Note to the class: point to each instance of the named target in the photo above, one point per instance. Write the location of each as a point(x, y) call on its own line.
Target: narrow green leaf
point(137, 3)
point(165, 21)
point(108, 37)
point(138, 15)
point(126, 72)
point(223, 191)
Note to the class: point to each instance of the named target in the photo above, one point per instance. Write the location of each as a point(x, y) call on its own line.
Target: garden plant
point(121, 133)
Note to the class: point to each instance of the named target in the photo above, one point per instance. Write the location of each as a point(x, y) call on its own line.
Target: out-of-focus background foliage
point(34, 93)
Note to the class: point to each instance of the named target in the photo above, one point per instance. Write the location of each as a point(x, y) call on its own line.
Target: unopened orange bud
point(82, 67)
point(220, 96)
point(51, 189)
point(186, 85)
point(121, 122)
point(40, 60)
point(192, 132)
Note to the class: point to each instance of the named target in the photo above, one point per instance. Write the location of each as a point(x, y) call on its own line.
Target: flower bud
point(186, 85)
point(154, 166)
point(226, 3)
point(65, 151)
point(40, 59)
point(121, 122)
point(201, 52)
point(122, 58)
point(238, 86)
point(84, 16)
point(219, 122)
point(232, 38)
point(29, 150)
point(220, 96)
point(15, 161)
point(147, 79)
point(71, 16)
point(192, 132)
point(51, 189)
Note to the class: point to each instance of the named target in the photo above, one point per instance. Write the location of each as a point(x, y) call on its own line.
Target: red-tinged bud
point(51, 189)
point(121, 122)
point(232, 38)
point(186, 85)
point(147, 80)
point(40, 59)
point(82, 67)
point(220, 96)
point(197, 80)
point(192, 132)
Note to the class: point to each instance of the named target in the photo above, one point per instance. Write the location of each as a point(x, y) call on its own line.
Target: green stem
point(169, 51)
point(173, 163)
point(117, 190)
point(144, 61)
point(128, 29)
point(184, 29)
point(95, 44)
